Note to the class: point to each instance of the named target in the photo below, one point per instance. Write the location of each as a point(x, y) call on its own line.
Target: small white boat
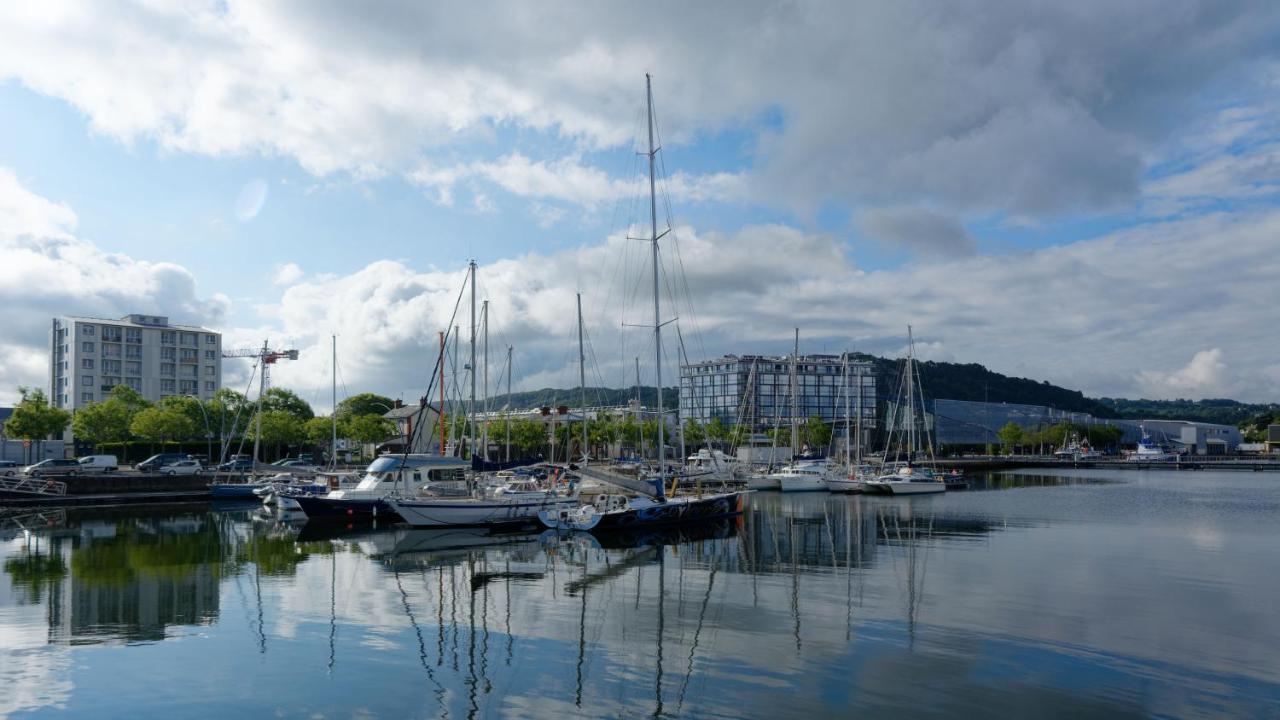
point(854, 482)
point(908, 480)
point(803, 477)
point(763, 481)
point(471, 512)
point(1149, 451)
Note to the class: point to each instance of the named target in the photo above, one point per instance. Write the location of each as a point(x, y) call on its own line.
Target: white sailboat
point(908, 478)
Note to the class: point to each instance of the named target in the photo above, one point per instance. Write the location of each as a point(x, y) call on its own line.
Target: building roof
point(128, 321)
point(810, 358)
point(406, 411)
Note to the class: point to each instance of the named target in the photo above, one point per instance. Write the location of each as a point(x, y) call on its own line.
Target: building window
point(133, 368)
point(110, 334)
point(191, 370)
point(86, 364)
point(168, 337)
point(210, 370)
point(168, 353)
point(134, 383)
point(188, 338)
point(209, 386)
point(133, 335)
point(133, 351)
point(111, 366)
point(167, 386)
point(167, 369)
point(86, 380)
point(188, 355)
point(210, 354)
point(109, 382)
point(86, 347)
point(86, 330)
point(188, 387)
point(86, 397)
point(210, 339)
point(110, 350)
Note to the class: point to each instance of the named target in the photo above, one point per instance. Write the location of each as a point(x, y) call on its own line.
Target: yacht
point(1149, 451)
point(515, 509)
point(387, 475)
point(803, 476)
point(908, 480)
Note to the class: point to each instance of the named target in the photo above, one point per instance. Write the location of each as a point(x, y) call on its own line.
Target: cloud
point(46, 271)
point(922, 232)
point(288, 274)
point(1206, 375)
point(1077, 315)
point(1029, 109)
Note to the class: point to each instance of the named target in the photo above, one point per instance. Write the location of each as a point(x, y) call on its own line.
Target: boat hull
point(323, 508)
point(235, 491)
point(475, 513)
point(845, 485)
point(803, 483)
point(905, 488)
point(675, 511)
point(763, 482)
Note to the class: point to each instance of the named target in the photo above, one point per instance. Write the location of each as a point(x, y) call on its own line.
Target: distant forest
point(956, 381)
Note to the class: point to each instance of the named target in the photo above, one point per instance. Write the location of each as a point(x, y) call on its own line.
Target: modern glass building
point(757, 389)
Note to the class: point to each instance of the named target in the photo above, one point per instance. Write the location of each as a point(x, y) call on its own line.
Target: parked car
point(182, 467)
point(9, 468)
point(52, 466)
point(237, 465)
point(155, 462)
point(98, 463)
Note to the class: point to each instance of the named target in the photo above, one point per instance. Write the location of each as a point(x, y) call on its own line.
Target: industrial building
point(757, 390)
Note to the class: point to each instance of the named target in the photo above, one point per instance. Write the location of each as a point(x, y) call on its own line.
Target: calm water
point(1129, 594)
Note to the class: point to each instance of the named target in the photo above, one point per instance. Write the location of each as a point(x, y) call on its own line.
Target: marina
point(1032, 589)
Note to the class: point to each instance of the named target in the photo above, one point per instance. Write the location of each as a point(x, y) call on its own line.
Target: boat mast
point(333, 444)
point(795, 398)
point(442, 349)
point(582, 379)
point(639, 412)
point(657, 321)
point(484, 433)
point(471, 409)
point(848, 449)
point(858, 420)
point(507, 404)
point(911, 397)
point(457, 395)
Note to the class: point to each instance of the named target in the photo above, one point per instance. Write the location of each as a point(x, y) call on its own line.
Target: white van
point(98, 463)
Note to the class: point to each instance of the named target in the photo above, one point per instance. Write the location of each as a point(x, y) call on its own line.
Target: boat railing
point(33, 486)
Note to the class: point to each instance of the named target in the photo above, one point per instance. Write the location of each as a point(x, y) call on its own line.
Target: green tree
point(717, 431)
point(370, 428)
point(815, 433)
point(282, 400)
point(130, 398)
point(279, 428)
point(1010, 436)
point(363, 404)
point(158, 424)
point(693, 433)
point(102, 422)
point(529, 436)
point(34, 418)
point(190, 408)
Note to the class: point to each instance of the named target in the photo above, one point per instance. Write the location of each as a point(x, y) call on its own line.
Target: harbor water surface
point(1081, 593)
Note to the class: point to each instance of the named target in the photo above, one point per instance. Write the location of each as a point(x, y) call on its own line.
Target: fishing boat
point(1149, 451)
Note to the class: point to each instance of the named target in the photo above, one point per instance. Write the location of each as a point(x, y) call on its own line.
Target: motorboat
point(386, 475)
point(907, 480)
point(1149, 451)
point(803, 476)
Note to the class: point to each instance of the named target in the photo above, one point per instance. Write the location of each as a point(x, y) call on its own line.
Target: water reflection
point(1067, 596)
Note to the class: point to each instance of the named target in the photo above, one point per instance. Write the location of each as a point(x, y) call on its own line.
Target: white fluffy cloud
point(1023, 108)
point(46, 271)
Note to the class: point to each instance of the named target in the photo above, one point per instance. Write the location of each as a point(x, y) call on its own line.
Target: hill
point(1218, 410)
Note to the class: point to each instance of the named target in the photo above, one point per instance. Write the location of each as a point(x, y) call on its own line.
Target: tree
point(132, 400)
point(102, 422)
point(815, 433)
point(363, 404)
point(717, 431)
point(161, 424)
point(693, 433)
point(282, 400)
point(1010, 436)
point(370, 428)
point(34, 418)
point(278, 428)
point(529, 436)
point(319, 432)
point(192, 409)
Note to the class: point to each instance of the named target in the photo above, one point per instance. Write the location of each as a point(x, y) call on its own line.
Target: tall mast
point(582, 379)
point(657, 319)
point(471, 408)
point(795, 398)
point(858, 461)
point(639, 413)
point(457, 398)
point(911, 397)
point(484, 433)
point(507, 414)
point(333, 445)
point(848, 448)
point(442, 348)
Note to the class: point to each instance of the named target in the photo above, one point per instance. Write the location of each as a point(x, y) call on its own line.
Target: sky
point(1085, 193)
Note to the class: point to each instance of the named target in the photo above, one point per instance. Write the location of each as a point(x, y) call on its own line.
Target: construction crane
point(265, 357)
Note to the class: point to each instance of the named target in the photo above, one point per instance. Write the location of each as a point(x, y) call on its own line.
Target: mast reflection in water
point(1046, 594)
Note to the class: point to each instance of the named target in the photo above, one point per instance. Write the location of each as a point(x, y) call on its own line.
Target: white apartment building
point(89, 356)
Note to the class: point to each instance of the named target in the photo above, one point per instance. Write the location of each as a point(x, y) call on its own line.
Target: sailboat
point(801, 475)
point(855, 473)
point(908, 478)
point(651, 504)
